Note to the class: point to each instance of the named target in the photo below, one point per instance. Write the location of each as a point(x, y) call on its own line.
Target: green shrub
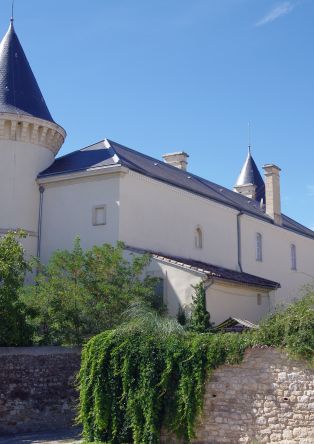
point(140, 377)
point(200, 318)
point(291, 328)
point(13, 267)
point(80, 293)
point(151, 372)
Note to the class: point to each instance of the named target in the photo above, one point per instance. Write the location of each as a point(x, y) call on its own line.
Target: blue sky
point(168, 75)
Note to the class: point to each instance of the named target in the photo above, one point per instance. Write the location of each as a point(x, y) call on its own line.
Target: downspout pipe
point(40, 217)
point(207, 282)
point(239, 240)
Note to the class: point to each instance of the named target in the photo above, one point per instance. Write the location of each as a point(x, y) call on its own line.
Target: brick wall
point(36, 388)
point(267, 399)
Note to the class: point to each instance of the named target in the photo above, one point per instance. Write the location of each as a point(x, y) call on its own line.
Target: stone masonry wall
point(268, 398)
point(37, 388)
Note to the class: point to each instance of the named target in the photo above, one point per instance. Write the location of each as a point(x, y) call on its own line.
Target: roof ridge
point(206, 182)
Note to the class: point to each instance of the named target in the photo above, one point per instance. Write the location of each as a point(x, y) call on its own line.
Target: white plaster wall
point(162, 218)
point(178, 284)
point(67, 213)
point(147, 214)
point(276, 264)
point(19, 196)
point(223, 301)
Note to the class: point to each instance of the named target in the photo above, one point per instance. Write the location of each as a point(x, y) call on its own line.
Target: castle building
point(249, 255)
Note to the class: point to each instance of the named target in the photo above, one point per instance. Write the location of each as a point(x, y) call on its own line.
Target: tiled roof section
point(251, 175)
point(169, 174)
point(19, 91)
point(291, 224)
point(92, 157)
point(235, 324)
point(106, 153)
point(214, 271)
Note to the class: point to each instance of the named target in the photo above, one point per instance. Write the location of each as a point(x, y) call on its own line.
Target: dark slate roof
point(213, 271)
point(19, 91)
point(109, 153)
point(235, 325)
point(251, 175)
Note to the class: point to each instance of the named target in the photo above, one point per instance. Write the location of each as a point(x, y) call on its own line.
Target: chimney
point(272, 192)
point(178, 160)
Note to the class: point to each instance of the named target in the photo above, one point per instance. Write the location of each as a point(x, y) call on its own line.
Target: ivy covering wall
point(151, 374)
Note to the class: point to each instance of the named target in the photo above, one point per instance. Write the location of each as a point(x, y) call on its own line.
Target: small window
point(293, 257)
point(259, 299)
point(158, 298)
point(99, 215)
point(259, 250)
point(198, 238)
point(159, 289)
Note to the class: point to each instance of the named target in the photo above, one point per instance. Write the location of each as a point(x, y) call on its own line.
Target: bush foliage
point(150, 373)
point(14, 330)
point(200, 317)
point(80, 293)
point(291, 328)
point(134, 380)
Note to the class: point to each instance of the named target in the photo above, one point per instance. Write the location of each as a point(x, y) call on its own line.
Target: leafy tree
point(81, 293)
point(200, 318)
point(13, 267)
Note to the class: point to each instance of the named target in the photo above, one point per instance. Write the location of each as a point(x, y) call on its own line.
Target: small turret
point(23, 111)
point(250, 182)
point(29, 140)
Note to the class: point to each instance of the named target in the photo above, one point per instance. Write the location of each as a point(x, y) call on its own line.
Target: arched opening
point(198, 237)
point(293, 257)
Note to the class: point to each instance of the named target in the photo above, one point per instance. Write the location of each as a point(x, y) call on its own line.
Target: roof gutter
point(239, 240)
point(73, 175)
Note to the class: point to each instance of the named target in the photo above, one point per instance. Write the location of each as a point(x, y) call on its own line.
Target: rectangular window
point(259, 247)
point(99, 215)
point(259, 299)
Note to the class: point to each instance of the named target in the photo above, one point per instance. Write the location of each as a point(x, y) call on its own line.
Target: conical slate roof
point(19, 91)
point(251, 175)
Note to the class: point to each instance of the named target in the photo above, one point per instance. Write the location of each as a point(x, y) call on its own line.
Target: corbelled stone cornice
point(28, 129)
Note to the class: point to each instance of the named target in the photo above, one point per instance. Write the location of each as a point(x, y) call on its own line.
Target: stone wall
point(37, 388)
point(267, 398)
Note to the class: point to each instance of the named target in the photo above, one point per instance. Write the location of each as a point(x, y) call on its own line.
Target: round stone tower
point(29, 141)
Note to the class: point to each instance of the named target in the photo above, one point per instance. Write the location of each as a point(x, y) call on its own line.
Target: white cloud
point(277, 11)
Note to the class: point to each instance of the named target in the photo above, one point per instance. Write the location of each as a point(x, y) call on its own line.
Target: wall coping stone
point(38, 351)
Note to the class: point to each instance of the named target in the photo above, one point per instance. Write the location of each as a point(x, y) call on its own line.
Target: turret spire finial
point(249, 137)
point(12, 12)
